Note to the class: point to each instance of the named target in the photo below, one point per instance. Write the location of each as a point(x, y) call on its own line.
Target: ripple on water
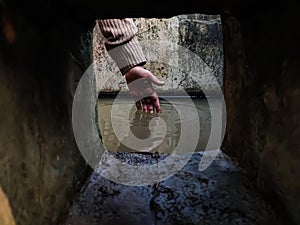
point(141, 127)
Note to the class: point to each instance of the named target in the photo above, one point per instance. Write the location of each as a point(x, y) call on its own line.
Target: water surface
point(140, 125)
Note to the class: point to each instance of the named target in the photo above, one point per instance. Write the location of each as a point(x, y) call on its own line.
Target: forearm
point(122, 43)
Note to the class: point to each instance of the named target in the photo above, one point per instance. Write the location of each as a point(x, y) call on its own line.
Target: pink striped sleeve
point(122, 43)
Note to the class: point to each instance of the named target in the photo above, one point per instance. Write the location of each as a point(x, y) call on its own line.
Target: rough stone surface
point(262, 101)
point(220, 195)
point(201, 37)
point(40, 165)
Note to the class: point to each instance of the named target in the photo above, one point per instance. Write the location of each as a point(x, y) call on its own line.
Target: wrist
point(128, 55)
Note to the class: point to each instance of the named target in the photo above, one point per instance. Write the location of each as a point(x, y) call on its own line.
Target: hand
point(139, 82)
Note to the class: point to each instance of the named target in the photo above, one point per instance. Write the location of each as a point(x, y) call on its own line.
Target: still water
point(125, 129)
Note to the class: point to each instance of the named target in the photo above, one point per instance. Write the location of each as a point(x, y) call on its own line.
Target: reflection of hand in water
point(140, 125)
point(141, 128)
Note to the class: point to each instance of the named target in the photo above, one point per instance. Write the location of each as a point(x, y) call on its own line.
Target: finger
point(144, 105)
point(156, 81)
point(136, 101)
point(156, 103)
point(150, 105)
point(138, 105)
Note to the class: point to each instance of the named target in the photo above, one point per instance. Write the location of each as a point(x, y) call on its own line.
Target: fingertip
point(161, 83)
point(145, 107)
point(157, 81)
point(157, 106)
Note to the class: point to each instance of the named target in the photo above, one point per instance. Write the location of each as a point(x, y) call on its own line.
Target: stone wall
point(38, 154)
point(40, 165)
point(262, 92)
point(199, 34)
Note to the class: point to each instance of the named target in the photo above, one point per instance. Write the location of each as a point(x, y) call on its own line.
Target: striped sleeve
point(121, 42)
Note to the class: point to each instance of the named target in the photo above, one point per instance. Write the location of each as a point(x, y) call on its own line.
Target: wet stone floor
point(219, 195)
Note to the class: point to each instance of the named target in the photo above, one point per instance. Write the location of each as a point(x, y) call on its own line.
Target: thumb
point(156, 81)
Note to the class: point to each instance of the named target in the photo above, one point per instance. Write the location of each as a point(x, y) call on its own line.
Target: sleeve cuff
point(128, 55)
